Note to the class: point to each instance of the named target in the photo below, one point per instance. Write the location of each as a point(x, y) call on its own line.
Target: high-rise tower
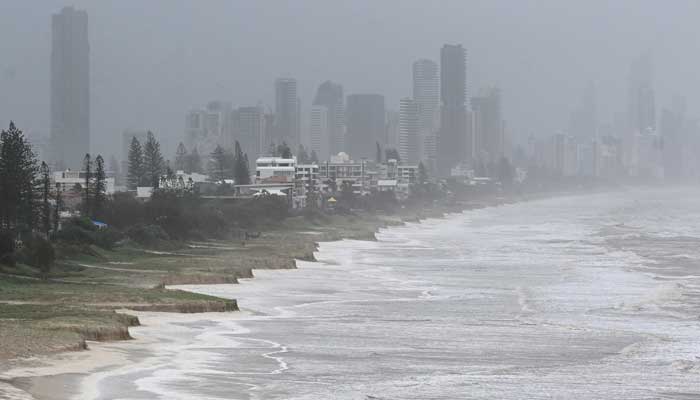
point(287, 112)
point(70, 88)
point(409, 131)
point(426, 93)
point(366, 125)
point(453, 143)
point(330, 95)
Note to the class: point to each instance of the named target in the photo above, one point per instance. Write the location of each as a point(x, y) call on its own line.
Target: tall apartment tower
point(409, 131)
point(330, 95)
point(250, 130)
point(453, 144)
point(318, 129)
point(426, 93)
point(583, 124)
point(641, 104)
point(70, 88)
point(488, 126)
point(287, 112)
point(365, 125)
point(209, 127)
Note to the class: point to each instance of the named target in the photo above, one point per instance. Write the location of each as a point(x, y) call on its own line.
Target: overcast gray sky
point(153, 60)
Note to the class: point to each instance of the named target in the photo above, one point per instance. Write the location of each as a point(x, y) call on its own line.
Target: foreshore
point(48, 375)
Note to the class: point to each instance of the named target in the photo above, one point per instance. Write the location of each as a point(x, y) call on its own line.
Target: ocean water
point(580, 297)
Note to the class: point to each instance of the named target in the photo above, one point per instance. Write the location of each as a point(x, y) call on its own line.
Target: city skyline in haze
point(152, 62)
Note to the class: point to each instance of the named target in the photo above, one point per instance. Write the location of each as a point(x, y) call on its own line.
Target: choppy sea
point(581, 297)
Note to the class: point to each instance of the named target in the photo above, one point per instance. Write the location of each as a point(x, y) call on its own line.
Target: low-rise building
point(68, 180)
point(275, 169)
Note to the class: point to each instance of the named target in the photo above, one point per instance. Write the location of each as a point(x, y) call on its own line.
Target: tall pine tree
point(241, 169)
point(57, 208)
point(181, 158)
point(18, 169)
point(45, 192)
point(194, 162)
point(87, 187)
point(100, 187)
point(134, 177)
point(220, 165)
point(154, 165)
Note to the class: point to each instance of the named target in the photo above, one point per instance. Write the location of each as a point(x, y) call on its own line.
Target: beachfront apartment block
point(275, 169)
point(69, 180)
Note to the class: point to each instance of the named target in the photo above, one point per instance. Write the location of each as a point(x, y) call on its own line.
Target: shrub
point(7, 248)
point(83, 231)
point(74, 233)
point(148, 235)
point(124, 210)
point(107, 238)
point(39, 253)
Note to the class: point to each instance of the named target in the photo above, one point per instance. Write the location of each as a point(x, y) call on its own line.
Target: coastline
point(66, 374)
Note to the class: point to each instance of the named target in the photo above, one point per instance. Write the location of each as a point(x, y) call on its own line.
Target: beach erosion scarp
point(139, 290)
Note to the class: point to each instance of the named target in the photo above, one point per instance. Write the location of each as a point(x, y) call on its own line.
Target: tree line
point(146, 166)
point(29, 205)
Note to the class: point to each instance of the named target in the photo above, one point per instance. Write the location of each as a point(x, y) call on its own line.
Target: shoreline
point(38, 377)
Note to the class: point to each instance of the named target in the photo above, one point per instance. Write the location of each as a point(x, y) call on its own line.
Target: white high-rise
point(426, 93)
point(409, 131)
point(318, 129)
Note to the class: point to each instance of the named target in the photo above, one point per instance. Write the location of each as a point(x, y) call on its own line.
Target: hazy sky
point(153, 60)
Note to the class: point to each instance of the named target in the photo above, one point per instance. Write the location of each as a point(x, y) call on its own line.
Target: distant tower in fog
point(488, 126)
point(330, 95)
point(453, 145)
point(287, 112)
point(641, 103)
point(250, 130)
point(318, 129)
point(409, 131)
point(426, 93)
point(365, 125)
point(70, 87)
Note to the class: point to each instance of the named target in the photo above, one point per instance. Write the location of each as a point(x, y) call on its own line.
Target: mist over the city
point(153, 61)
point(349, 200)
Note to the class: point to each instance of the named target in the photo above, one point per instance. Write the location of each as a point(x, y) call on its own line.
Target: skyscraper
point(330, 95)
point(641, 106)
point(426, 93)
point(70, 87)
point(453, 144)
point(488, 126)
point(209, 127)
point(250, 130)
point(365, 125)
point(318, 128)
point(583, 124)
point(409, 131)
point(287, 112)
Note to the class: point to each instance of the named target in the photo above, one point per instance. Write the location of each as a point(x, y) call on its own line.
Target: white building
point(275, 169)
point(426, 92)
point(306, 181)
point(67, 180)
point(409, 131)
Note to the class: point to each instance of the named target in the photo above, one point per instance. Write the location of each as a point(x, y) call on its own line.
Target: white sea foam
point(559, 298)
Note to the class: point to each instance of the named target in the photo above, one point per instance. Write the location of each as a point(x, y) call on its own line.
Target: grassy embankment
point(80, 300)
